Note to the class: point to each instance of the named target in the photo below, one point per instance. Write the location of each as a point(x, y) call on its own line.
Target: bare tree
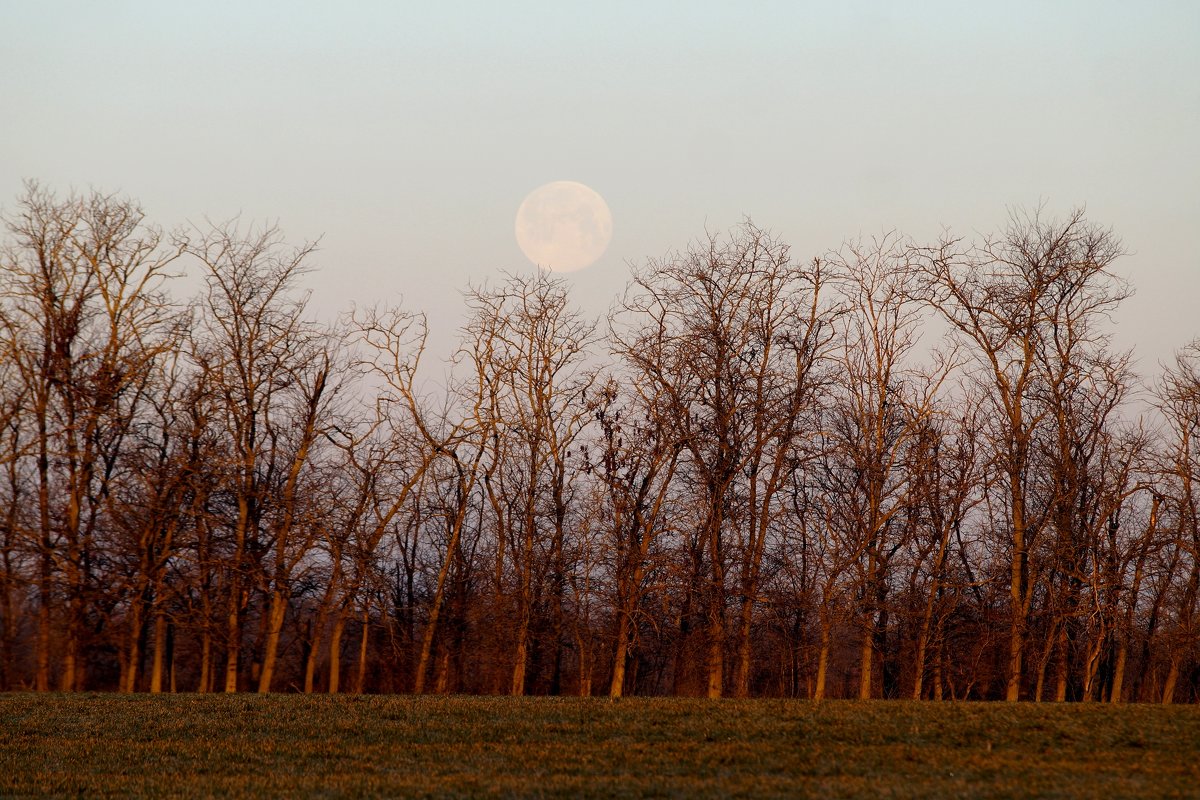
point(1179, 401)
point(947, 487)
point(313, 381)
point(528, 346)
point(728, 334)
point(262, 358)
point(635, 459)
point(83, 325)
point(395, 342)
point(1007, 297)
point(884, 404)
point(148, 509)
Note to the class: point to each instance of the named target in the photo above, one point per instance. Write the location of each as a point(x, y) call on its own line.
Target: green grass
point(287, 745)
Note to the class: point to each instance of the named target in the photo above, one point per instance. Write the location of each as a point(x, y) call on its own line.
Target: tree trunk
point(716, 651)
point(1064, 663)
point(233, 637)
point(275, 616)
point(939, 681)
point(312, 647)
point(137, 637)
point(716, 613)
point(742, 678)
point(160, 652)
point(823, 658)
point(1017, 590)
point(922, 650)
point(866, 657)
point(521, 656)
point(585, 668)
point(69, 679)
point(616, 687)
point(1168, 695)
point(205, 685)
point(335, 652)
point(1016, 642)
point(360, 677)
point(443, 674)
point(1091, 668)
point(171, 655)
point(1119, 673)
point(687, 615)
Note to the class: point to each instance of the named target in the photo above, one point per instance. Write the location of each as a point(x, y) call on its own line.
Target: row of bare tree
point(897, 470)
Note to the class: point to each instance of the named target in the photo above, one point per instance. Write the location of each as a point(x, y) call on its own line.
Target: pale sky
point(406, 134)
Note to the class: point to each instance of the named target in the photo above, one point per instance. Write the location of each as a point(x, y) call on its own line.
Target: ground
point(288, 746)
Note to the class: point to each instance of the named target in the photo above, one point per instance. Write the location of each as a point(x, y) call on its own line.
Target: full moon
point(563, 226)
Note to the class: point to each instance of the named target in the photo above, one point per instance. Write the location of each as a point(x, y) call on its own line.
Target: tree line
point(899, 469)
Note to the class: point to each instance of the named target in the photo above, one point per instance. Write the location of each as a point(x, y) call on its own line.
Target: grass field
point(287, 746)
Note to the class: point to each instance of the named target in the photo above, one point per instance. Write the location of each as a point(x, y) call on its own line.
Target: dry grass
point(287, 746)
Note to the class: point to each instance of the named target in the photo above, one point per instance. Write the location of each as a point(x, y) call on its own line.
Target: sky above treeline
point(405, 135)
